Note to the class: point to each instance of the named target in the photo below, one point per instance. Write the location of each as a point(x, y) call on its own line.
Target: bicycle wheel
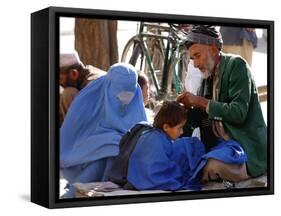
point(147, 57)
point(129, 49)
point(178, 70)
point(183, 65)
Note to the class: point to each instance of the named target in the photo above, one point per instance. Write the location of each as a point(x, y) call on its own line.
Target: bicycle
point(158, 50)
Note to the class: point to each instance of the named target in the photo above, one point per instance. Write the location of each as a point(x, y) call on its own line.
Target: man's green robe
point(240, 111)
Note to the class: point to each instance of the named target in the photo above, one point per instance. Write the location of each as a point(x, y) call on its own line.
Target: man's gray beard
point(205, 75)
point(210, 65)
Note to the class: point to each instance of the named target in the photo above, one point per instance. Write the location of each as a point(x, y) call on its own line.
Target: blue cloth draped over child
point(98, 117)
point(158, 163)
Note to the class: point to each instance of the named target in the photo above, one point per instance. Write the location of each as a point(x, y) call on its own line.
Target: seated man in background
point(73, 77)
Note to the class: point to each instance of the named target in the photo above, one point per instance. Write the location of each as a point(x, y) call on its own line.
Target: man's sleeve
point(235, 109)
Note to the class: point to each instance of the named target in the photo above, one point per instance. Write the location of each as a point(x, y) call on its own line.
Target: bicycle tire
point(184, 61)
point(134, 54)
point(177, 72)
point(127, 52)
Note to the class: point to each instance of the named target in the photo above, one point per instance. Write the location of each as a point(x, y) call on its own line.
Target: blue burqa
point(98, 117)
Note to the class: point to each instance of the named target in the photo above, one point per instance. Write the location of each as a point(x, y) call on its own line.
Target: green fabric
point(239, 109)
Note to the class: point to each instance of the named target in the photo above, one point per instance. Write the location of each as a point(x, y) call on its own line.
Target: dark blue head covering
point(204, 34)
point(99, 115)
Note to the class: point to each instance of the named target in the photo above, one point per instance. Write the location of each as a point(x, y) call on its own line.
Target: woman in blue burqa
point(98, 117)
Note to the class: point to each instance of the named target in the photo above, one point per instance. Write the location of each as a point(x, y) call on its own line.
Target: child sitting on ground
point(161, 160)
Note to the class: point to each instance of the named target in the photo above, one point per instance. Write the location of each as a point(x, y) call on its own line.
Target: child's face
point(174, 132)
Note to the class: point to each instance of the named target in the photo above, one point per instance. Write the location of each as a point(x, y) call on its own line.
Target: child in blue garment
point(161, 160)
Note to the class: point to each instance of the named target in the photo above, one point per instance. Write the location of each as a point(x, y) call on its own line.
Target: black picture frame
point(44, 106)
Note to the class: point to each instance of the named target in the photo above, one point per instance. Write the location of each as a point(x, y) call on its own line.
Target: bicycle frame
point(170, 48)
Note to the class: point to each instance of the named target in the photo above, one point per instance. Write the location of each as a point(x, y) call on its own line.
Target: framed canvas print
point(140, 107)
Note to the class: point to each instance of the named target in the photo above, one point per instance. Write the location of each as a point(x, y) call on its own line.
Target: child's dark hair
point(171, 113)
point(142, 79)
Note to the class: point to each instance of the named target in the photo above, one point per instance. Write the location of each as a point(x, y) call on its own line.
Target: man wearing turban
point(229, 99)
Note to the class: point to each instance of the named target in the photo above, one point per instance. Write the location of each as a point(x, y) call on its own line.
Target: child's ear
point(166, 127)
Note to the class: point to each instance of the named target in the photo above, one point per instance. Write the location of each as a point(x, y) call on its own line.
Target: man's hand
point(190, 100)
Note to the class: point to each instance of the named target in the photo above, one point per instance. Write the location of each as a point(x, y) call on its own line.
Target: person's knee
point(215, 169)
point(211, 170)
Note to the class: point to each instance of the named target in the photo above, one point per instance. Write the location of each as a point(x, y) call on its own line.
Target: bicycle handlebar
point(175, 30)
point(158, 26)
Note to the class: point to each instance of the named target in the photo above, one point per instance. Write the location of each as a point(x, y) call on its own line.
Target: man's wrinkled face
point(202, 59)
point(63, 78)
point(68, 77)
